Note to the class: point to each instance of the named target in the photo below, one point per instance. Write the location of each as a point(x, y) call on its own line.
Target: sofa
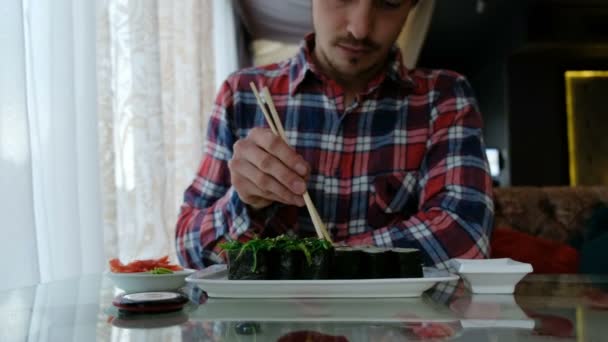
point(548, 226)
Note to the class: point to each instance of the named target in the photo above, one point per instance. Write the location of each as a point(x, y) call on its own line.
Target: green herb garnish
point(282, 243)
point(315, 244)
point(231, 245)
point(160, 270)
point(253, 245)
point(287, 243)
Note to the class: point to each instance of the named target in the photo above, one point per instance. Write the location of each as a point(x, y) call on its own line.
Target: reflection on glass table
point(571, 307)
point(331, 319)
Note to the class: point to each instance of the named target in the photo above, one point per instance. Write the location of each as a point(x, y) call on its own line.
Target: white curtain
point(156, 84)
point(48, 156)
point(16, 211)
point(224, 35)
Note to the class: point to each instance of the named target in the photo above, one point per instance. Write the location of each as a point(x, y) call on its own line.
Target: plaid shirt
point(403, 166)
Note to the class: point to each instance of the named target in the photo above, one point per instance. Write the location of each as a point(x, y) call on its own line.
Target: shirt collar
point(302, 65)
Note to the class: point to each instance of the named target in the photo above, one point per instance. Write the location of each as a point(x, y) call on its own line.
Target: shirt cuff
point(247, 220)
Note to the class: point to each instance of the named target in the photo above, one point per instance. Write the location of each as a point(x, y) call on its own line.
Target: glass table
point(543, 308)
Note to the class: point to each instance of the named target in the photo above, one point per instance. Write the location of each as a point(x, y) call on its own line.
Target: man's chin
point(347, 70)
point(351, 73)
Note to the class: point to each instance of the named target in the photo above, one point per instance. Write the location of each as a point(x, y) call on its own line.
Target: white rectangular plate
point(213, 280)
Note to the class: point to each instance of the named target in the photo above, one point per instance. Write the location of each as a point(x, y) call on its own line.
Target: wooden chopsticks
point(264, 99)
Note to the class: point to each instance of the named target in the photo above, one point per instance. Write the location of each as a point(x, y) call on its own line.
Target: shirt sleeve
point(212, 211)
point(456, 210)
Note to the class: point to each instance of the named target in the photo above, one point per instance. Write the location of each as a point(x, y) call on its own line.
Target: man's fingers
point(269, 164)
point(250, 194)
point(275, 146)
point(253, 181)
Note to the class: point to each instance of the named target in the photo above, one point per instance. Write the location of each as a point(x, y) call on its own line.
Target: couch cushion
point(554, 213)
point(544, 255)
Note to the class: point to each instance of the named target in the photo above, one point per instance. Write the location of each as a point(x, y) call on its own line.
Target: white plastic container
point(491, 275)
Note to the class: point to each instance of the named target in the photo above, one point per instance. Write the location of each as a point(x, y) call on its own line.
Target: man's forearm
point(439, 233)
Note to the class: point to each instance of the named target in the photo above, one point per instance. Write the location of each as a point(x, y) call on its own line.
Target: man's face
point(354, 37)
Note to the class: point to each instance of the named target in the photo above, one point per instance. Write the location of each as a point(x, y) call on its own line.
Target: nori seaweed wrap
point(408, 262)
point(284, 258)
point(318, 257)
point(288, 258)
point(346, 263)
point(376, 263)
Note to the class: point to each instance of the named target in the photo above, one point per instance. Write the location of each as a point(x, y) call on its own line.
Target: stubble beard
point(345, 78)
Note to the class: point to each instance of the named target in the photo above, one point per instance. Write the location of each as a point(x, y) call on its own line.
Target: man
point(390, 156)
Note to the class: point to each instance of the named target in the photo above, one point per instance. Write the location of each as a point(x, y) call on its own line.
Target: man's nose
point(361, 20)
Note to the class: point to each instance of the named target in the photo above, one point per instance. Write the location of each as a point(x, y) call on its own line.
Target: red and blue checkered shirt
point(403, 166)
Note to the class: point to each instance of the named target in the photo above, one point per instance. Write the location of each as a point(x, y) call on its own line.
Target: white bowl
point(146, 282)
point(491, 275)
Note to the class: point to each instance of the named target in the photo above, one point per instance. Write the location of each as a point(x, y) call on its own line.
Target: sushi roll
point(318, 257)
point(408, 262)
point(247, 261)
point(346, 263)
point(284, 264)
point(284, 258)
point(377, 263)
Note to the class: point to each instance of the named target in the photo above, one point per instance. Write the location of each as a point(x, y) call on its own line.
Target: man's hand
point(264, 169)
